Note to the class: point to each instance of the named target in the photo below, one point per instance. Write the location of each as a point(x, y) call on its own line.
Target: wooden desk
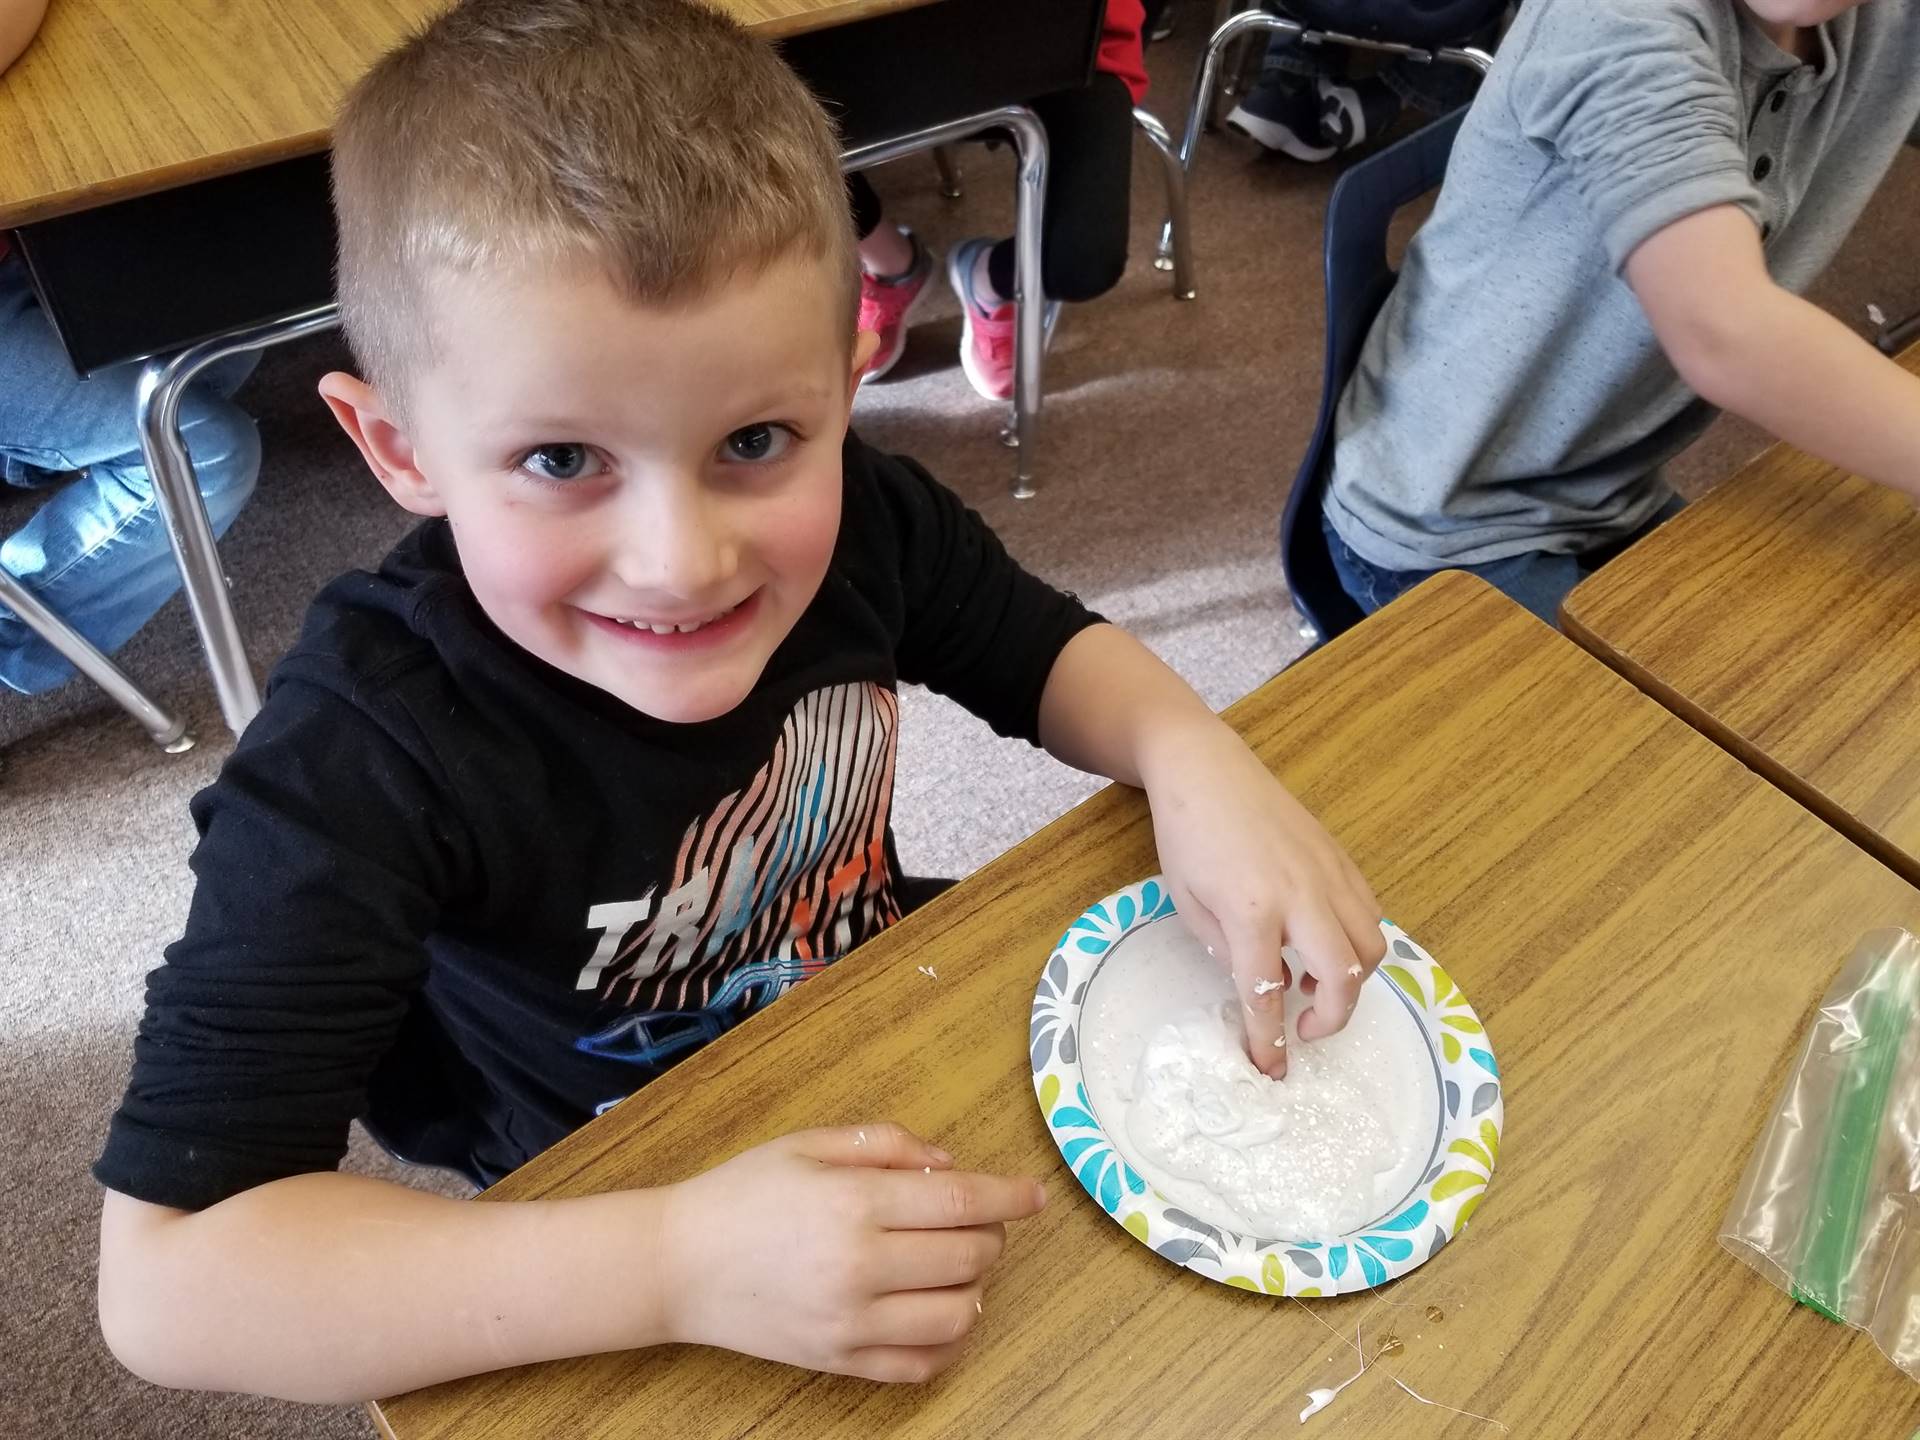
point(1780, 615)
point(126, 100)
point(1644, 925)
point(124, 97)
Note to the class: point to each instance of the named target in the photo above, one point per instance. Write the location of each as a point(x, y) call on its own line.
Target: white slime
point(1335, 1145)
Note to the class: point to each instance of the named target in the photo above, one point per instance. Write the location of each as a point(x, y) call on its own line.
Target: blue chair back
point(1359, 280)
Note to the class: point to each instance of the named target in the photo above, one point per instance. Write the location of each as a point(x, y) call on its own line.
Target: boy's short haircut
point(654, 139)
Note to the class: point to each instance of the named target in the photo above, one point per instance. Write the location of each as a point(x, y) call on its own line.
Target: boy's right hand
point(859, 1251)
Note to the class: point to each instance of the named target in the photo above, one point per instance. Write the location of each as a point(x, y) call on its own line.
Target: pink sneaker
point(886, 306)
point(986, 340)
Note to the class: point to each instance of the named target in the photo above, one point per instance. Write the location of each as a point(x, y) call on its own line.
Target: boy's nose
point(681, 550)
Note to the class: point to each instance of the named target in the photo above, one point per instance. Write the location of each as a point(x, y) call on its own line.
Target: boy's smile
point(645, 497)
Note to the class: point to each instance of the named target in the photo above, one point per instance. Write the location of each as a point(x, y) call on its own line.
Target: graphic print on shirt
point(782, 878)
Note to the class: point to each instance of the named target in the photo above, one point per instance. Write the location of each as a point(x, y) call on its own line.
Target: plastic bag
point(1829, 1209)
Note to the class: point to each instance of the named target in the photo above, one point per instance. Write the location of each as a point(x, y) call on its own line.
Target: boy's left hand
point(1250, 870)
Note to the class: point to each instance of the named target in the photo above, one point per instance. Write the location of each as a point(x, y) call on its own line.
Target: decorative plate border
point(1438, 1208)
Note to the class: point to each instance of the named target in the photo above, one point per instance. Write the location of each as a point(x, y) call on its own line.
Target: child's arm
point(1749, 346)
point(19, 20)
point(829, 1249)
point(1249, 866)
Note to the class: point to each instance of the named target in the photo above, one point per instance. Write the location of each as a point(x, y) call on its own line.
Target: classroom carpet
point(1171, 433)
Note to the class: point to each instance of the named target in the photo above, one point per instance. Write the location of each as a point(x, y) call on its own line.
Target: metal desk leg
point(1030, 144)
point(167, 731)
point(157, 413)
point(1030, 319)
point(949, 172)
point(1176, 237)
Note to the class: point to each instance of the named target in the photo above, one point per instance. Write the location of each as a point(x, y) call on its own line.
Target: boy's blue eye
point(565, 461)
point(757, 444)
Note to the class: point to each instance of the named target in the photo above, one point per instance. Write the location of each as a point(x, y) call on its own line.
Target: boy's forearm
point(1750, 347)
point(1805, 377)
point(1111, 707)
point(339, 1288)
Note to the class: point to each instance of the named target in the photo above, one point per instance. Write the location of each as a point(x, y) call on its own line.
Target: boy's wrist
point(1167, 747)
point(666, 1246)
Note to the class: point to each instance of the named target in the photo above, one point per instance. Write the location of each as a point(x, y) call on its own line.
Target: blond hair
point(655, 139)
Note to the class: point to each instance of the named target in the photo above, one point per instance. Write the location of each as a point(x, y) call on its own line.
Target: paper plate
point(1465, 1123)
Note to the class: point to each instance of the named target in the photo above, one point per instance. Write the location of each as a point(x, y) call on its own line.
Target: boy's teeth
point(686, 629)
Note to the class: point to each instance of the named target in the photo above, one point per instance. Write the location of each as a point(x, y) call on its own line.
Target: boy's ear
point(865, 342)
point(383, 445)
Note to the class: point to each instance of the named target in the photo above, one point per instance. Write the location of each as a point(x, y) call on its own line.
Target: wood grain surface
point(116, 98)
point(1780, 615)
point(1644, 925)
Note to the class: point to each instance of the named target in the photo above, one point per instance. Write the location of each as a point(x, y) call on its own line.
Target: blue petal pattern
point(1386, 1245)
point(1407, 1218)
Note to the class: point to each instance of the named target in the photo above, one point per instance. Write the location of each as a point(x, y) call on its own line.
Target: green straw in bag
point(1853, 1139)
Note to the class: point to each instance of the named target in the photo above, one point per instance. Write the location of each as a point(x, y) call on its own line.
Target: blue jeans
point(96, 552)
point(1536, 579)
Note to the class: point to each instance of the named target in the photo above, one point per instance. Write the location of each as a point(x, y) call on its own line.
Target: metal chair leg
point(1175, 251)
point(1234, 65)
point(1200, 105)
point(168, 731)
point(163, 382)
point(1029, 347)
point(949, 172)
point(1235, 27)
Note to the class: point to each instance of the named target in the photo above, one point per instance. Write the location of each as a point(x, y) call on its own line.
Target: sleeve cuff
point(1646, 217)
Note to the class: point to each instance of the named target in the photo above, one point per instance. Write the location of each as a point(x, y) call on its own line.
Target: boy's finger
point(1330, 955)
point(953, 1199)
point(1359, 915)
point(1368, 900)
point(923, 1317)
point(1260, 976)
point(902, 1364)
point(1199, 920)
point(935, 1259)
point(1206, 929)
point(882, 1146)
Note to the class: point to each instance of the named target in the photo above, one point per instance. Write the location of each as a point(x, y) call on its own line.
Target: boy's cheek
point(518, 563)
point(804, 535)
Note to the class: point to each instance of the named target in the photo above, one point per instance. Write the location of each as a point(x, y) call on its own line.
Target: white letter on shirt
point(614, 918)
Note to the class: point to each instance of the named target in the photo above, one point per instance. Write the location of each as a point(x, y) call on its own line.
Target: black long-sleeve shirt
point(446, 888)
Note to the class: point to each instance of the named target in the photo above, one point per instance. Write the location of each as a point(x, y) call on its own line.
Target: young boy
point(600, 761)
point(1634, 202)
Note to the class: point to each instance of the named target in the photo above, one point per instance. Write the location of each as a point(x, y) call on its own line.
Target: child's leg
point(894, 269)
point(1282, 111)
point(1083, 250)
point(1089, 187)
point(1536, 580)
point(97, 551)
point(885, 249)
point(1439, 89)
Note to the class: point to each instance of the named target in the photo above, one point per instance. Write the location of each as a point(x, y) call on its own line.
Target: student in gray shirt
point(1635, 201)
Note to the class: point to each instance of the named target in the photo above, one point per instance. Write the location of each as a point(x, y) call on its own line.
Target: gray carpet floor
point(1171, 432)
